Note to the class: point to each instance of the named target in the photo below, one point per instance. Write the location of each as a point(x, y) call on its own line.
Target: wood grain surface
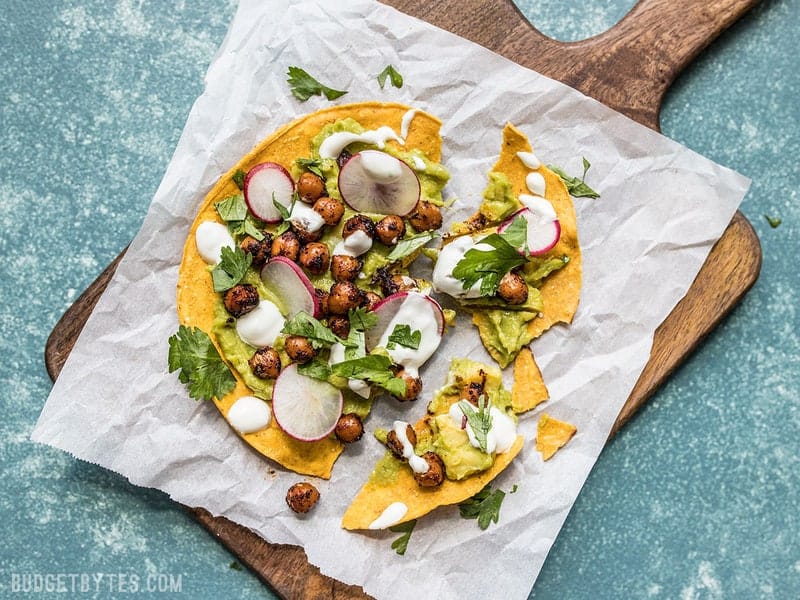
point(628, 68)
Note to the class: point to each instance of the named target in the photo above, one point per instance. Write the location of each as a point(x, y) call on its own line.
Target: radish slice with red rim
point(292, 287)
point(542, 232)
point(376, 182)
point(265, 184)
point(305, 408)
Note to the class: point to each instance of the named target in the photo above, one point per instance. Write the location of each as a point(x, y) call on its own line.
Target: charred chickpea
point(513, 288)
point(359, 223)
point(343, 157)
point(390, 229)
point(425, 216)
point(349, 428)
point(472, 392)
point(287, 245)
point(345, 268)
point(371, 300)
point(310, 187)
point(404, 283)
point(330, 209)
point(302, 497)
point(306, 237)
point(413, 386)
point(265, 363)
point(299, 349)
point(339, 325)
point(434, 476)
point(322, 300)
point(394, 444)
point(344, 295)
point(240, 299)
point(258, 249)
point(315, 258)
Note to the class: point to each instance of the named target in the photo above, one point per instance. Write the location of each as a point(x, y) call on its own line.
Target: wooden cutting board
point(628, 68)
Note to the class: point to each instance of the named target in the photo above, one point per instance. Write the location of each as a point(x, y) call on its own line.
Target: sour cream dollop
point(417, 312)
point(211, 237)
point(390, 515)
point(356, 244)
point(540, 206)
point(529, 160)
point(333, 145)
point(249, 414)
point(261, 325)
point(450, 255)
point(381, 167)
point(306, 218)
point(535, 183)
point(501, 434)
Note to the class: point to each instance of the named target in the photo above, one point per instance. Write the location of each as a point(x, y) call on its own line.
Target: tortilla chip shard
point(552, 434)
point(529, 389)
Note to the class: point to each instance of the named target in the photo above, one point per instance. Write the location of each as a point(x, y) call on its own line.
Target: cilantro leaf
point(576, 187)
point(403, 336)
point(516, 233)
point(233, 210)
point(410, 244)
point(487, 266)
point(238, 178)
point(479, 420)
point(309, 327)
point(317, 369)
point(231, 268)
point(314, 165)
point(400, 545)
point(483, 506)
point(375, 369)
point(192, 351)
point(304, 86)
point(393, 75)
point(773, 221)
point(362, 319)
point(284, 212)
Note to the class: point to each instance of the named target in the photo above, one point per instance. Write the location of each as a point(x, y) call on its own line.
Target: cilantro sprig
point(483, 506)
point(402, 335)
point(309, 327)
point(233, 210)
point(201, 367)
point(392, 74)
point(314, 165)
point(362, 319)
point(409, 245)
point(488, 266)
point(231, 268)
point(479, 420)
point(400, 545)
point(373, 368)
point(304, 86)
point(576, 187)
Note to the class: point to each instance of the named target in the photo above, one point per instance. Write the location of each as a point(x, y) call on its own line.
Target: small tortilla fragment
point(552, 434)
point(529, 389)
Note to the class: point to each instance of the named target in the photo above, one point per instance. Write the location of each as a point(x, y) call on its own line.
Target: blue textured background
point(696, 498)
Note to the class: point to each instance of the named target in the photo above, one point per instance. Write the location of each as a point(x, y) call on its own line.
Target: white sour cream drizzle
point(405, 123)
point(249, 414)
point(535, 183)
point(358, 386)
point(418, 464)
point(211, 237)
point(333, 145)
point(529, 160)
point(540, 206)
point(417, 312)
point(390, 515)
point(450, 255)
point(261, 325)
point(501, 435)
point(306, 218)
point(356, 244)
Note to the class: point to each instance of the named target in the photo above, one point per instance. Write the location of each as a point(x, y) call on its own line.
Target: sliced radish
point(293, 287)
point(421, 313)
point(543, 232)
point(264, 183)
point(376, 182)
point(306, 409)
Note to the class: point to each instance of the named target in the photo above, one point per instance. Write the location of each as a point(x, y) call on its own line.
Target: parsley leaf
point(479, 420)
point(231, 268)
point(483, 506)
point(284, 212)
point(317, 369)
point(487, 266)
point(516, 233)
point(403, 336)
point(773, 221)
point(313, 165)
point(375, 369)
point(192, 351)
point(309, 327)
point(576, 187)
point(304, 86)
point(400, 545)
point(233, 210)
point(409, 245)
point(238, 178)
point(362, 319)
point(392, 74)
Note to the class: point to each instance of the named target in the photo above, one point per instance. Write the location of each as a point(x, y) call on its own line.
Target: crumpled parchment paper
point(662, 208)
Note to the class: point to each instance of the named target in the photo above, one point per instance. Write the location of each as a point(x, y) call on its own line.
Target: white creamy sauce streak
point(501, 434)
point(261, 325)
point(405, 123)
point(356, 244)
point(390, 515)
point(333, 145)
point(529, 160)
point(418, 313)
point(249, 414)
point(211, 237)
point(418, 464)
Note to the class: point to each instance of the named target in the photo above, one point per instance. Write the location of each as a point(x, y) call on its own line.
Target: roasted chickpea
point(265, 363)
point(394, 444)
point(513, 288)
point(315, 258)
point(390, 229)
point(339, 325)
point(413, 386)
point(287, 245)
point(359, 223)
point(306, 237)
point(425, 216)
point(345, 268)
point(258, 249)
point(330, 209)
point(344, 295)
point(240, 299)
point(473, 390)
point(322, 300)
point(371, 300)
point(349, 428)
point(299, 349)
point(434, 476)
point(310, 187)
point(302, 497)
point(404, 283)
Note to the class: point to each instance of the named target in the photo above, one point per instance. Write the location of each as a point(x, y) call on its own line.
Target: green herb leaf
point(238, 178)
point(576, 187)
point(231, 268)
point(304, 86)
point(317, 369)
point(233, 210)
point(403, 335)
point(483, 506)
point(235, 566)
point(773, 221)
point(480, 420)
point(487, 266)
point(409, 245)
point(314, 165)
point(400, 545)
point(362, 319)
point(307, 326)
point(284, 212)
point(192, 351)
point(516, 234)
point(374, 368)
point(392, 74)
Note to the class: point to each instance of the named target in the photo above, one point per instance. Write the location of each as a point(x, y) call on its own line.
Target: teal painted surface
point(694, 499)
